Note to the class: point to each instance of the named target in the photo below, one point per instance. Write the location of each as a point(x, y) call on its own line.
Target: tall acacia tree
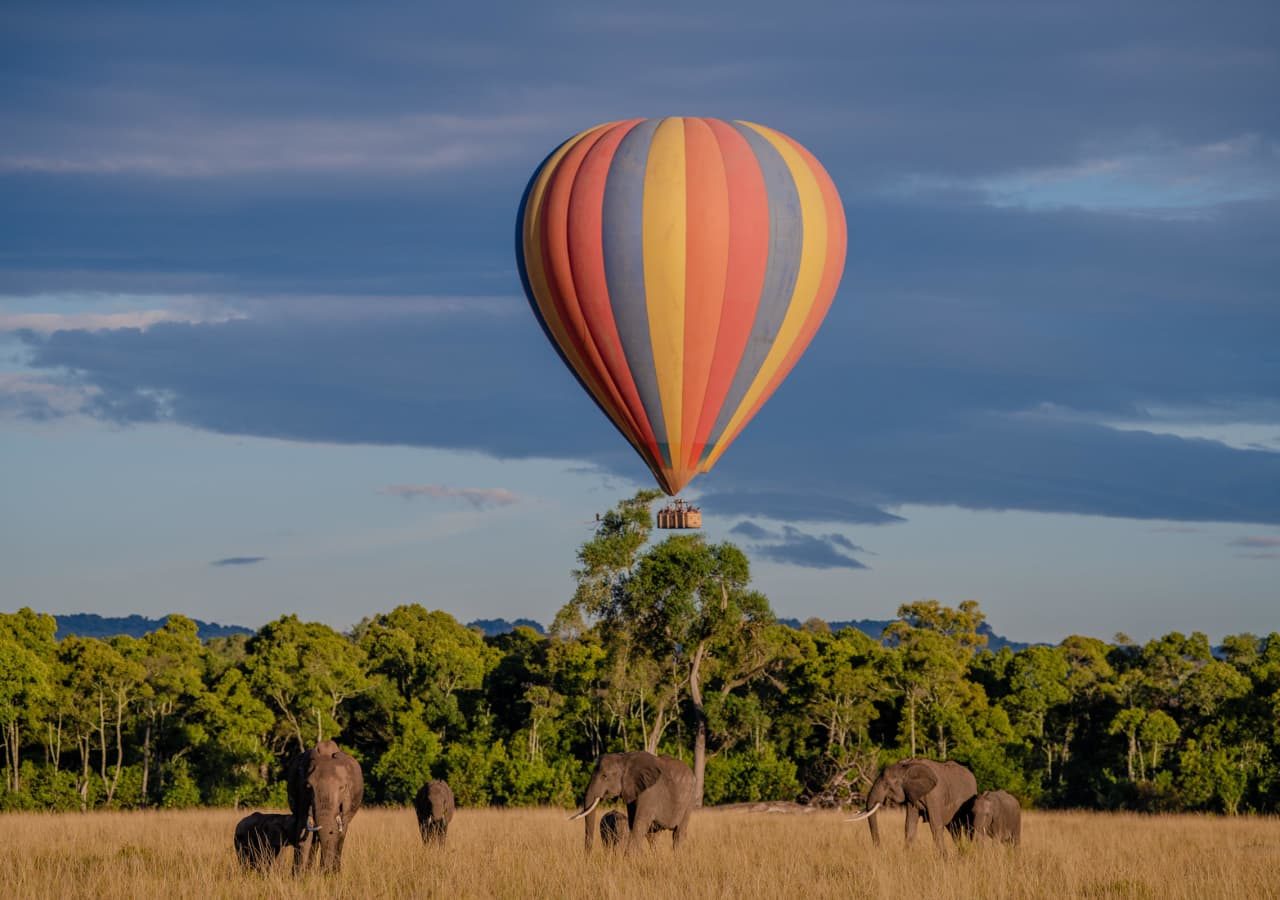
point(685, 604)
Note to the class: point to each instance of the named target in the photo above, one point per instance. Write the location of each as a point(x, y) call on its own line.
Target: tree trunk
point(700, 723)
point(654, 737)
point(146, 759)
point(17, 750)
point(8, 766)
point(83, 746)
point(913, 725)
point(102, 740)
point(55, 739)
point(115, 777)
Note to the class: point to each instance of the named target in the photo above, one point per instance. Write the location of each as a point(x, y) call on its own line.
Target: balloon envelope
point(680, 266)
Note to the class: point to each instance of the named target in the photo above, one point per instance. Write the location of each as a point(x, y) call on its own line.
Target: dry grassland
point(536, 853)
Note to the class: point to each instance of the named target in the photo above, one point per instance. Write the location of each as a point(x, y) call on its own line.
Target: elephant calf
point(997, 815)
point(613, 828)
point(260, 837)
point(434, 806)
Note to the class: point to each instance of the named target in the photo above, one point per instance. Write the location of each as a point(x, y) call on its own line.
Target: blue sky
point(263, 347)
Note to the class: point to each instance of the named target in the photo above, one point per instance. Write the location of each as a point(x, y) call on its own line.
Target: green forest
point(663, 646)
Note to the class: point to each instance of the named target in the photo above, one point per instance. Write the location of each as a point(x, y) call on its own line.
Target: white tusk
point(313, 828)
point(864, 815)
point(585, 811)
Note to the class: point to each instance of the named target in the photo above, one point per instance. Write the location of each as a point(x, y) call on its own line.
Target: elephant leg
point(912, 821)
point(639, 829)
point(938, 826)
point(300, 853)
point(678, 833)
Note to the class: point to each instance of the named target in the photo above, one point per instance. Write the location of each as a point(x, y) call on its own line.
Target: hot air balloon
point(680, 266)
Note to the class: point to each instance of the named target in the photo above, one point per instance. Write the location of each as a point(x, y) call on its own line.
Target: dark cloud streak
point(238, 561)
point(797, 548)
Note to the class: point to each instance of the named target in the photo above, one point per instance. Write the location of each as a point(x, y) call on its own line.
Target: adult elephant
point(326, 787)
point(937, 792)
point(997, 815)
point(658, 791)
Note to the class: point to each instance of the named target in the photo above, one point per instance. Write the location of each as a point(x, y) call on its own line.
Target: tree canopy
point(664, 645)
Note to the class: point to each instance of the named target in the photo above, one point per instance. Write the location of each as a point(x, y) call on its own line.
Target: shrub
point(748, 777)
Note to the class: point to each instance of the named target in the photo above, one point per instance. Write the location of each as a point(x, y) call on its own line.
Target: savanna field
point(537, 853)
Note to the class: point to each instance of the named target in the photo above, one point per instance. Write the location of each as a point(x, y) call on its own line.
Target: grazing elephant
point(997, 815)
point(434, 806)
point(658, 791)
point(613, 828)
point(260, 838)
point(937, 792)
point(326, 787)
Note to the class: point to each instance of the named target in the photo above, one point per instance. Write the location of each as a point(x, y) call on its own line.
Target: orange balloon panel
point(680, 266)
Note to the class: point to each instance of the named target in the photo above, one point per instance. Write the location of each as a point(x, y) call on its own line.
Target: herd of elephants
point(326, 786)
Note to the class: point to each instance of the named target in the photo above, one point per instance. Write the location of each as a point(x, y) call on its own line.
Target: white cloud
point(479, 498)
point(32, 397)
point(1264, 542)
point(46, 313)
point(191, 146)
point(104, 311)
point(1144, 174)
point(47, 323)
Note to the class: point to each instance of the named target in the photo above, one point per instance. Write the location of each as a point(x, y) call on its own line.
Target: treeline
point(663, 647)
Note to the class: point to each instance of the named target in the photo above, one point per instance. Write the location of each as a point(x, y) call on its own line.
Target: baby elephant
point(434, 806)
point(613, 828)
point(260, 837)
point(997, 815)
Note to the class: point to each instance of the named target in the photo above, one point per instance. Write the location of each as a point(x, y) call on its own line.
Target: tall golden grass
point(536, 853)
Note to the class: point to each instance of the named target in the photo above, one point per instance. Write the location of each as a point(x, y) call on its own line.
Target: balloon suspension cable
point(680, 514)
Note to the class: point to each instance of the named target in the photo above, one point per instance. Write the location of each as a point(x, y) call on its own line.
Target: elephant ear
point(641, 772)
point(918, 781)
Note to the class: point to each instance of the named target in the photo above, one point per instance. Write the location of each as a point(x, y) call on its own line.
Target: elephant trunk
point(591, 800)
point(328, 829)
point(875, 800)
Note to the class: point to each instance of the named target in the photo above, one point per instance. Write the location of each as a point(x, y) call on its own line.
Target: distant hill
point(93, 625)
point(874, 628)
point(495, 627)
